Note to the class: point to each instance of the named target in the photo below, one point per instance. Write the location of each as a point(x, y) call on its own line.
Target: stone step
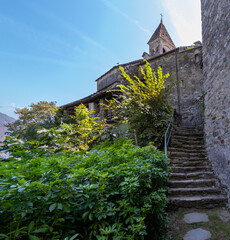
point(186, 154)
point(184, 150)
point(189, 159)
point(192, 137)
point(177, 160)
point(188, 135)
point(179, 163)
point(181, 129)
point(176, 169)
point(193, 191)
point(192, 183)
point(188, 146)
point(183, 142)
point(193, 175)
point(208, 201)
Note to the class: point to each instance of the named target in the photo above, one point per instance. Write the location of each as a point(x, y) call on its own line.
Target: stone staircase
point(192, 183)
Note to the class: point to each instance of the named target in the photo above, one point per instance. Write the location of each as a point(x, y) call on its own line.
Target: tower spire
point(160, 42)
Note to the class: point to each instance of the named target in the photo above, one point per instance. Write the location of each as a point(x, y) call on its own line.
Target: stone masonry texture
point(190, 77)
point(186, 97)
point(216, 57)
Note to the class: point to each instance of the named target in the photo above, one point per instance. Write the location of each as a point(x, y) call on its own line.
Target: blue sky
point(55, 50)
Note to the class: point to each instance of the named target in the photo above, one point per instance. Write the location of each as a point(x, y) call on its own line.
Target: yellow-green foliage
point(190, 47)
point(151, 87)
point(143, 104)
point(79, 135)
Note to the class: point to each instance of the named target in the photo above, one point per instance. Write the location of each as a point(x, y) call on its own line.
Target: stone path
point(195, 217)
point(199, 224)
point(199, 233)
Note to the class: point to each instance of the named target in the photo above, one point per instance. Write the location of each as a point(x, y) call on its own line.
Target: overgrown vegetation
point(143, 104)
point(82, 133)
point(115, 191)
point(74, 178)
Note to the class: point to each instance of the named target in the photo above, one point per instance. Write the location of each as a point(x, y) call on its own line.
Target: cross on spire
point(161, 17)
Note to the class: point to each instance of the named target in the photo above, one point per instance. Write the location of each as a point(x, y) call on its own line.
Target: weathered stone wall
point(216, 55)
point(108, 79)
point(183, 65)
point(186, 97)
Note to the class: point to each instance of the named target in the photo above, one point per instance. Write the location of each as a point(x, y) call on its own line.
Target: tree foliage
point(143, 103)
point(84, 131)
point(33, 118)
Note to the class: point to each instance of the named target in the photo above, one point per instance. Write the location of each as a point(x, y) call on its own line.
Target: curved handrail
point(169, 129)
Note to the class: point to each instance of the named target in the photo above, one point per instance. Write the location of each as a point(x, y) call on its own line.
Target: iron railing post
point(169, 129)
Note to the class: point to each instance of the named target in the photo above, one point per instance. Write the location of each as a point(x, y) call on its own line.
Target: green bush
point(115, 191)
point(79, 135)
point(143, 104)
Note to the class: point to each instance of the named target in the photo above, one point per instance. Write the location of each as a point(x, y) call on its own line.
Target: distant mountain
point(4, 119)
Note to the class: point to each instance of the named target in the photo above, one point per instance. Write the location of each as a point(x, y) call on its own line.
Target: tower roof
point(163, 33)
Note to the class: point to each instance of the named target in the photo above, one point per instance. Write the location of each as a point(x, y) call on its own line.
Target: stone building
point(201, 83)
point(216, 55)
point(184, 64)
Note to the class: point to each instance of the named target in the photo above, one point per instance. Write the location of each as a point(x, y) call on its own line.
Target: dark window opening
point(197, 58)
point(96, 108)
point(164, 50)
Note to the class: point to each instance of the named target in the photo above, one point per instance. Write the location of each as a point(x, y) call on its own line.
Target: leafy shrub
point(115, 191)
point(143, 103)
point(82, 133)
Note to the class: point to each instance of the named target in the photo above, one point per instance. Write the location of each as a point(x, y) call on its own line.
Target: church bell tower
point(160, 42)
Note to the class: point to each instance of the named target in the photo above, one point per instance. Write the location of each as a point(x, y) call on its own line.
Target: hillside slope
point(4, 119)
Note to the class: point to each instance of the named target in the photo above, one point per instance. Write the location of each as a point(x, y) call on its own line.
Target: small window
point(96, 108)
point(197, 58)
point(164, 50)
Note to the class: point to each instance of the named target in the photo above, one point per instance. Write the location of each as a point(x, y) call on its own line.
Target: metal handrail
point(169, 129)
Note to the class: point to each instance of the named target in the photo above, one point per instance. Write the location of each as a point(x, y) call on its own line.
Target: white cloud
point(123, 14)
point(185, 16)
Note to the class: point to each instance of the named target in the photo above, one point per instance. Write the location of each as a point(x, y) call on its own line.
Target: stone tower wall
point(186, 98)
point(216, 57)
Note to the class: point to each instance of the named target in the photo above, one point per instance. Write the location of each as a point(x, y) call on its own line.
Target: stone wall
point(108, 79)
point(184, 66)
point(216, 55)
